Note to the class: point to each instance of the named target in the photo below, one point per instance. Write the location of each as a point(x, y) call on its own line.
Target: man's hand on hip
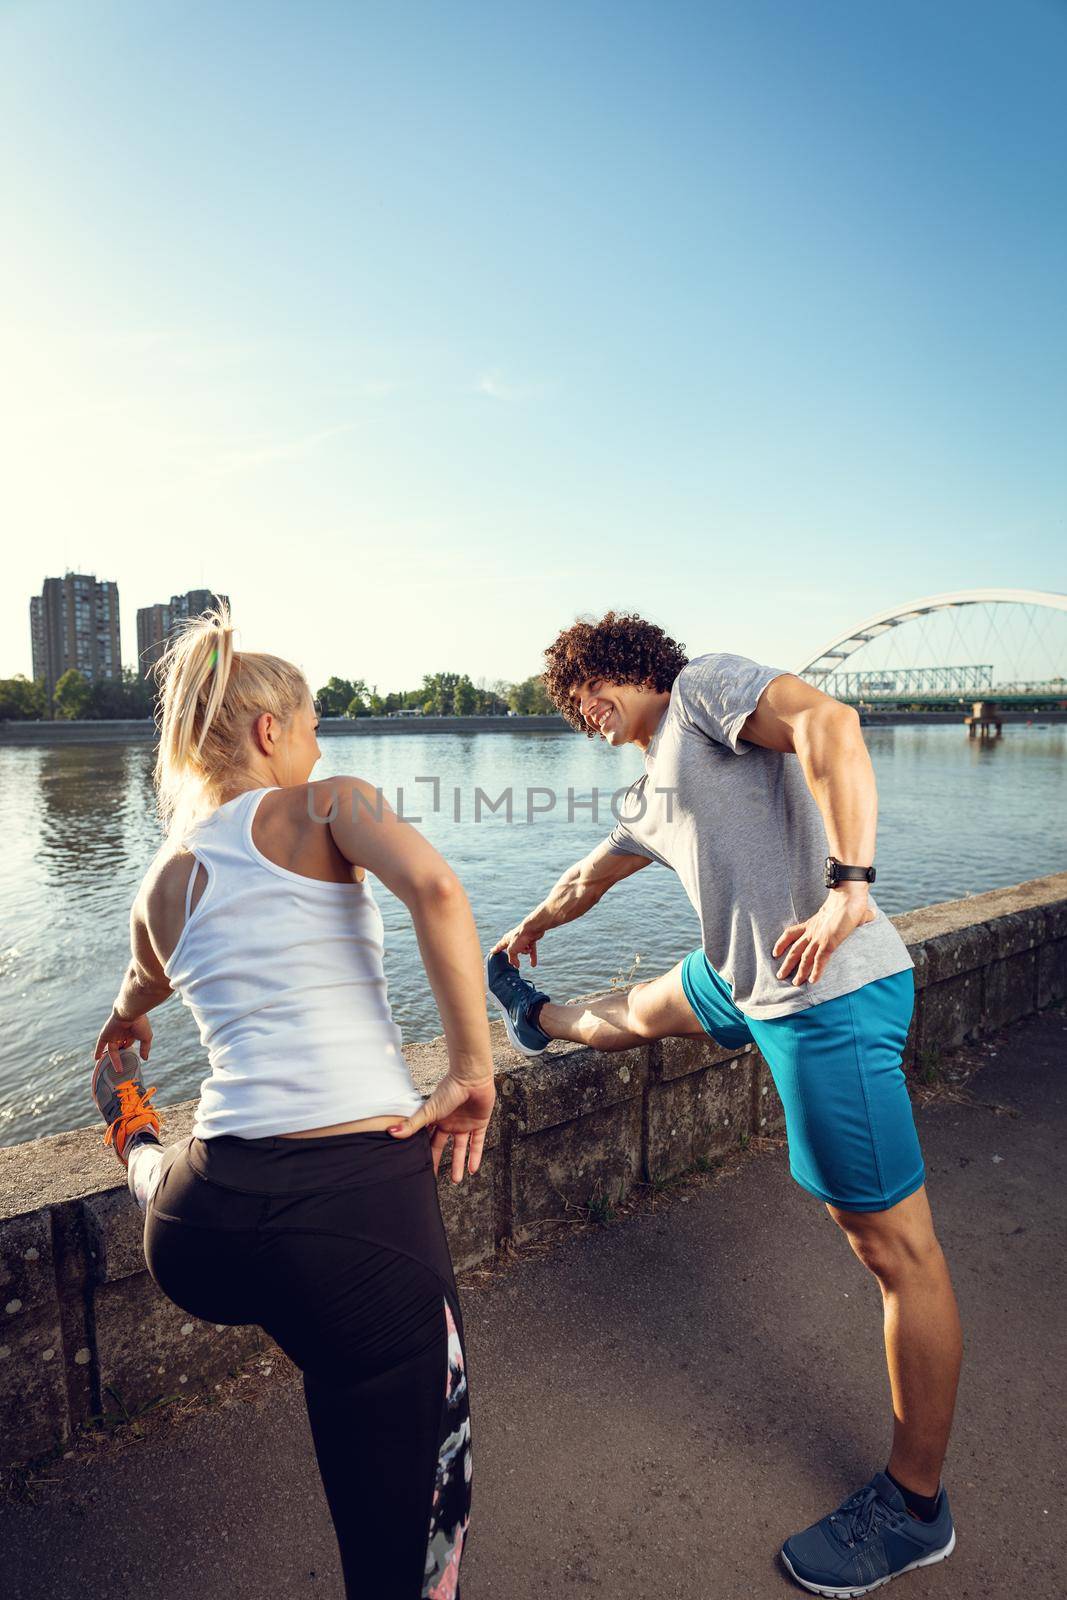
point(809, 945)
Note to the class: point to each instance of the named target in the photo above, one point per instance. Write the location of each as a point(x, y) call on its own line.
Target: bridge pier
point(985, 719)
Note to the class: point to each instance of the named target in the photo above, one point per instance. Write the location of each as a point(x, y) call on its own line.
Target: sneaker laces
point(135, 1112)
point(515, 981)
point(858, 1516)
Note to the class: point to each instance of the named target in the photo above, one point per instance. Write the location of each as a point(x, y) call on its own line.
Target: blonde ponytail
point(210, 696)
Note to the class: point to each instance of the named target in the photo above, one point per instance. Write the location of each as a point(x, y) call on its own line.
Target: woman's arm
point(143, 986)
point(369, 834)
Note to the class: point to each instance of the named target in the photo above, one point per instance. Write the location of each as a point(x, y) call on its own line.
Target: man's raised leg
point(620, 1020)
point(657, 1009)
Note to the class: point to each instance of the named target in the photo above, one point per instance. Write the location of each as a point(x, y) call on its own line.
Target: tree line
point(75, 698)
point(441, 694)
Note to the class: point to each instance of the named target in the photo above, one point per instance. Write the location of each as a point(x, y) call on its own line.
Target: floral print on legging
point(450, 1513)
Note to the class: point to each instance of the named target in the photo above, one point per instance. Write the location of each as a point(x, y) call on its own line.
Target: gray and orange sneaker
point(123, 1102)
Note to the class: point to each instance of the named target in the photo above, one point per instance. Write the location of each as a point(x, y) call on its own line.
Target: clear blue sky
point(422, 328)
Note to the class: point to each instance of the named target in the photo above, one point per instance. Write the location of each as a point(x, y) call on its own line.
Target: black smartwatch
point(836, 873)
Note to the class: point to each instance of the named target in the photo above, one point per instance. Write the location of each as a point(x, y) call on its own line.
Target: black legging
point(336, 1247)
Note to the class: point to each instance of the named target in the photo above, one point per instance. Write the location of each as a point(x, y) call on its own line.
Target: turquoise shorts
point(837, 1067)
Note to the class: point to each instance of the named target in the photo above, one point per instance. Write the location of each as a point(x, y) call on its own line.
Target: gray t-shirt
point(747, 840)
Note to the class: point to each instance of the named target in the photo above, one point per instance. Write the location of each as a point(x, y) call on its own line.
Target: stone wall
point(83, 1330)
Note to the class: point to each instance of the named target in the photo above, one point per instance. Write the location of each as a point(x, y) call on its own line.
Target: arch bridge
point(1018, 653)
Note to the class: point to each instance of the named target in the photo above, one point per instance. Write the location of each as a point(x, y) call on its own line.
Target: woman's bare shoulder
point(164, 884)
point(329, 798)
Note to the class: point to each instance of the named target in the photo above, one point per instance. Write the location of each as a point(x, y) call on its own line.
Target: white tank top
point(284, 977)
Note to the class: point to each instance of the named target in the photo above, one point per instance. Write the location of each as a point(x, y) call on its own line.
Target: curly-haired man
point(759, 792)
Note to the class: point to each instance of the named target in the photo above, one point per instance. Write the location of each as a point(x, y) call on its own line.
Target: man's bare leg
point(923, 1341)
point(657, 1009)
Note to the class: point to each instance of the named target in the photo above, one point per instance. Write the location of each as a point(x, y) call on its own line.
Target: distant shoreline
point(143, 731)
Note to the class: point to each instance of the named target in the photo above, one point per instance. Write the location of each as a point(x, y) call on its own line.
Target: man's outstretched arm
point(576, 892)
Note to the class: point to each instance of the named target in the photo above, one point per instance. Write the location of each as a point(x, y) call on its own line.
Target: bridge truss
point(1021, 635)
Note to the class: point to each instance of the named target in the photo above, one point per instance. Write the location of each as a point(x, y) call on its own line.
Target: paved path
point(656, 1404)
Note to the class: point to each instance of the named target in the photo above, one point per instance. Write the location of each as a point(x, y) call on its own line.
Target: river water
point(956, 816)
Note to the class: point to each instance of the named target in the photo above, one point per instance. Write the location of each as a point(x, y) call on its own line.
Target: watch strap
point(839, 872)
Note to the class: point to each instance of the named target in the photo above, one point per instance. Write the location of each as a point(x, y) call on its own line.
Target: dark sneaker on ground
point(869, 1539)
point(516, 999)
point(122, 1100)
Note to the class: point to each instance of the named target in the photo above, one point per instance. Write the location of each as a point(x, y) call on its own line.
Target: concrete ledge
point(985, 961)
point(83, 1329)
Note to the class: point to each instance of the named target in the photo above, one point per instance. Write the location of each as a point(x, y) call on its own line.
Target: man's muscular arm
point(575, 893)
point(794, 717)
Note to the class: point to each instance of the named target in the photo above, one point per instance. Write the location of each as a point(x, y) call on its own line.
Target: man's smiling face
point(617, 711)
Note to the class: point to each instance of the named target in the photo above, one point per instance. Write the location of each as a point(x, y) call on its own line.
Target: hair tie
point(214, 657)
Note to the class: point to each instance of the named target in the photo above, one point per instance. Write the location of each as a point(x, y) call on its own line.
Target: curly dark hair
point(621, 648)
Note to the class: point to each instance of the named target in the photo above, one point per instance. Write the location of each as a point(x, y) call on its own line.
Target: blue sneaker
point(869, 1539)
point(516, 999)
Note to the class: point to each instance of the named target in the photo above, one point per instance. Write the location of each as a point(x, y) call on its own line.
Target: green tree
point(72, 695)
point(519, 698)
point(336, 697)
point(128, 696)
point(396, 699)
point(22, 699)
point(37, 698)
point(494, 697)
point(438, 692)
point(357, 706)
point(528, 698)
point(441, 694)
point(463, 697)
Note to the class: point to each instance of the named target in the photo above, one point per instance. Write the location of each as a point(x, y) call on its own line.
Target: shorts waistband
point(275, 1165)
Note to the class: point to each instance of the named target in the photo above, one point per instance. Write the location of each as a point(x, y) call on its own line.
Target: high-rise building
point(74, 622)
point(37, 637)
point(196, 601)
point(155, 624)
point(153, 630)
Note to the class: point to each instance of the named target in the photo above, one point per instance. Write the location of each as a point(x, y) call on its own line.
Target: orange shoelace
point(134, 1114)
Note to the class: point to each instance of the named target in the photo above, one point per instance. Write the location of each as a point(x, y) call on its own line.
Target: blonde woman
point(305, 1199)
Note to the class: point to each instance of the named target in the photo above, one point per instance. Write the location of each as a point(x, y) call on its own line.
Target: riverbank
point(48, 733)
point(576, 1132)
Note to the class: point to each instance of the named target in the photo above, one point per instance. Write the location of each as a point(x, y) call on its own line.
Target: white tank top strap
point(249, 803)
point(189, 888)
point(227, 831)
